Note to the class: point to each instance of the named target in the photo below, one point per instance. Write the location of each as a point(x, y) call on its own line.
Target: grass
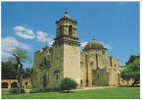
point(108, 93)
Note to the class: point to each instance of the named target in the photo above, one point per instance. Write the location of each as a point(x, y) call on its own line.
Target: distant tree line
point(9, 70)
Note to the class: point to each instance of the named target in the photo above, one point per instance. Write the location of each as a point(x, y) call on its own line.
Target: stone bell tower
point(68, 47)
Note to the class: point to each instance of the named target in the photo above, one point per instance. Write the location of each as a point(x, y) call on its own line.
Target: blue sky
point(31, 25)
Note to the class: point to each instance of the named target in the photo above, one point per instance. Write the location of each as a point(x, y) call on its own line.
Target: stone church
point(88, 67)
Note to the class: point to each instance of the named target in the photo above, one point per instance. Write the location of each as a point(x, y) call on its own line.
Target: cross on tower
point(66, 11)
point(93, 37)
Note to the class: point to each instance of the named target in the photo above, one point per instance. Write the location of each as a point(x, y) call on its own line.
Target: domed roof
point(94, 45)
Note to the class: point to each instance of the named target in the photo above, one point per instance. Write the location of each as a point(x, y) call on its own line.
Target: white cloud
point(42, 36)
point(9, 44)
point(19, 28)
point(24, 32)
point(83, 44)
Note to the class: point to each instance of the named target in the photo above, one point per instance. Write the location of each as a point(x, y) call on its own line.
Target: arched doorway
point(4, 85)
point(14, 85)
point(26, 84)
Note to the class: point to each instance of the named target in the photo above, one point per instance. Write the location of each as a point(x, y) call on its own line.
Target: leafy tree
point(19, 56)
point(8, 70)
point(28, 72)
point(68, 84)
point(22, 54)
point(132, 70)
point(131, 59)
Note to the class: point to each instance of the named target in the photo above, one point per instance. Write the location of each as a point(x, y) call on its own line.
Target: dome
point(94, 45)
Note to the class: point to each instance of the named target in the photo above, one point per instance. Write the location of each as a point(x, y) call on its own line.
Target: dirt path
point(92, 88)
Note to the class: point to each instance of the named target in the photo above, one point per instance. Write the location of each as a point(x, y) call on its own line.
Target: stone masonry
point(88, 67)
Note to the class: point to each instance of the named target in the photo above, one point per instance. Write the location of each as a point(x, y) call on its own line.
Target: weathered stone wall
point(36, 74)
point(113, 78)
point(40, 70)
point(98, 69)
point(83, 67)
point(101, 77)
point(57, 66)
point(72, 62)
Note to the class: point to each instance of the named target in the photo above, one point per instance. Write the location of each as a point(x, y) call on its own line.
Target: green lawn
point(108, 93)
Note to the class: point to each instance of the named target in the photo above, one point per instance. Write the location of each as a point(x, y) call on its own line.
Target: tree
point(28, 72)
point(8, 70)
point(20, 53)
point(132, 70)
point(68, 84)
point(131, 59)
point(19, 56)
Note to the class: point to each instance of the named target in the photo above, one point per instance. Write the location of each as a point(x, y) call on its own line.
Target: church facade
point(88, 67)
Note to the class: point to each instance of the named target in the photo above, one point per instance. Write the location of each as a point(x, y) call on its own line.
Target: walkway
point(93, 88)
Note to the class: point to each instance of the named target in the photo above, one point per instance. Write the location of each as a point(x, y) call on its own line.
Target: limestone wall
point(83, 67)
point(72, 62)
point(113, 78)
point(101, 77)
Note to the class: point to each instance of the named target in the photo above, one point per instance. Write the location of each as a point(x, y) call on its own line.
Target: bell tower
point(66, 27)
point(68, 47)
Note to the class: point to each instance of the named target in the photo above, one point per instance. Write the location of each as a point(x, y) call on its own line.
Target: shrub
point(15, 91)
point(68, 84)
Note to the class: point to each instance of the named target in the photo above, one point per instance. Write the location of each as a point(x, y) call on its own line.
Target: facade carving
point(88, 67)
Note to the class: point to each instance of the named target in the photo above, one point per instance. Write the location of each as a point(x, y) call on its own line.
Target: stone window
point(57, 74)
point(61, 29)
point(70, 30)
point(45, 63)
point(98, 76)
point(81, 82)
point(87, 82)
point(103, 52)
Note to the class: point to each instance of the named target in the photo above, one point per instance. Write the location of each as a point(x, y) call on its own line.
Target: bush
point(68, 84)
point(15, 91)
